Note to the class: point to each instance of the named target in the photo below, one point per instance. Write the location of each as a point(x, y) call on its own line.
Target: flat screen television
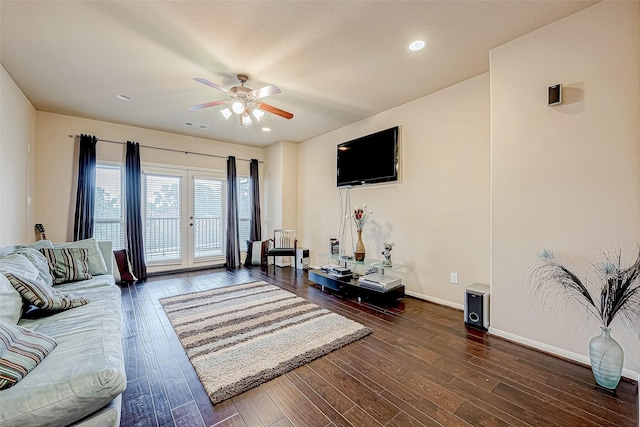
point(370, 159)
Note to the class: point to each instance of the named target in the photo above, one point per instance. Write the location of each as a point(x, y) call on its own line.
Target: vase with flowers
point(359, 218)
point(617, 293)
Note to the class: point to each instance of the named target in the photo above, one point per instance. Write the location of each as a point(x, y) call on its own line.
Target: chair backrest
point(284, 238)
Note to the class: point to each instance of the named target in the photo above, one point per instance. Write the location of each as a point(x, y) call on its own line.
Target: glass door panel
point(207, 219)
point(163, 218)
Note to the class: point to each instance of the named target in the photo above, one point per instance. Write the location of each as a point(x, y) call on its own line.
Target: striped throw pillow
point(44, 296)
point(67, 264)
point(21, 350)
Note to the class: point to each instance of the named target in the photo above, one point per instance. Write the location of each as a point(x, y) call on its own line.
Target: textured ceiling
point(336, 62)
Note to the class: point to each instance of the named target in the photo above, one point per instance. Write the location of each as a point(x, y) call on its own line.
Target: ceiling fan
point(243, 101)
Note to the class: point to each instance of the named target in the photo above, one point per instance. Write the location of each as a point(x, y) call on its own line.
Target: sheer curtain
point(232, 252)
point(133, 186)
point(255, 232)
point(86, 194)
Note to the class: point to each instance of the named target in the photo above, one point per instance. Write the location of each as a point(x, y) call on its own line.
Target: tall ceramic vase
point(358, 253)
point(607, 358)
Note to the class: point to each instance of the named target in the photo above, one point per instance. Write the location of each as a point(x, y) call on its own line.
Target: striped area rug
point(241, 336)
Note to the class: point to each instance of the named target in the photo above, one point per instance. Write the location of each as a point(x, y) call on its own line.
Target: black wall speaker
point(555, 95)
point(476, 306)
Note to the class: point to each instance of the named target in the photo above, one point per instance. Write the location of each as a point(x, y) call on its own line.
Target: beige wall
point(57, 160)
point(17, 163)
point(290, 185)
point(438, 216)
point(281, 187)
point(272, 202)
point(565, 178)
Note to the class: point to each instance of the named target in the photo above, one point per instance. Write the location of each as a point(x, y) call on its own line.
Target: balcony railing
point(163, 237)
point(109, 230)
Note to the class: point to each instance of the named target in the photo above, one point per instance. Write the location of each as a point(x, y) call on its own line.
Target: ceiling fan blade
point(207, 105)
point(264, 91)
point(273, 110)
point(211, 84)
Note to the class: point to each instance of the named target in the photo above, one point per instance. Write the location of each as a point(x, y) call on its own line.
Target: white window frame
point(162, 170)
point(187, 173)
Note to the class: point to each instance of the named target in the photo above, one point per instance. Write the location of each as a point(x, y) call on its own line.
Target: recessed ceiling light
point(266, 129)
point(123, 97)
point(417, 45)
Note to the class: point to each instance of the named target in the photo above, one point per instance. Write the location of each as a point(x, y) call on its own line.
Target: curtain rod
point(168, 149)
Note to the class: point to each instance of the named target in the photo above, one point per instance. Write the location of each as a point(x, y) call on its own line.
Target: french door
point(184, 218)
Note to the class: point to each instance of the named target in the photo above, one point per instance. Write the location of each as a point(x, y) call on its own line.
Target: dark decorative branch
point(619, 287)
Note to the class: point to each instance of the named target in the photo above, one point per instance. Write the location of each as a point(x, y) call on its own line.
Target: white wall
point(17, 164)
point(565, 178)
point(57, 159)
point(438, 216)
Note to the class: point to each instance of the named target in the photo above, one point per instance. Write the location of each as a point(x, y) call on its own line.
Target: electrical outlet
point(454, 278)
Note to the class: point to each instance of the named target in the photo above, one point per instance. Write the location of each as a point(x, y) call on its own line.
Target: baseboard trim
point(185, 270)
point(627, 373)
point(435, 300)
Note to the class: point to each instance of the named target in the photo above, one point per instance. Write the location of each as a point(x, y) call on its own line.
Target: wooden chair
point(284, 243)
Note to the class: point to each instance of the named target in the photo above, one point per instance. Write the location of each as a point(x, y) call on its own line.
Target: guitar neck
point(40, 229)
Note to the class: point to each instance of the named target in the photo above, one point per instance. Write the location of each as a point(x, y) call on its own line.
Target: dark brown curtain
point(232, 252)
point(255, 230)
point(135, 233)
point(86, 194)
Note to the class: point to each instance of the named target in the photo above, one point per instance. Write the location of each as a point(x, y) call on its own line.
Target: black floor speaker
point(476, 306)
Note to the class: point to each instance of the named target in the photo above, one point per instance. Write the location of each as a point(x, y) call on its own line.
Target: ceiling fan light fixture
point(226, 113)
point(237, 107)
point(258, 114)
point(243, 102)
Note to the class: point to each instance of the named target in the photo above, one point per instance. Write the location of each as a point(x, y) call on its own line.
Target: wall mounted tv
point(370, 159)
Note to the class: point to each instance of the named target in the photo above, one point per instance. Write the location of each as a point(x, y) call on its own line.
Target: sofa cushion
point(94, 282)
point(40, 244)
point(256, 252)
point(43, 296)
point(21, 350)
point(11, 302)
point(97, 264)
point(39, 261)
point(6, 250)
point(84, 373)
point(125, 271)
point(18, 264)
point(68, 264)
point(116, 271)
point(106, 248)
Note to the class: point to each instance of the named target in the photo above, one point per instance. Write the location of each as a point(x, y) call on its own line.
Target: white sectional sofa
point(80, 381)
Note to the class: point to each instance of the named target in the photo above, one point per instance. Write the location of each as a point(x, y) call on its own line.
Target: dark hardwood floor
point(421, 366)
